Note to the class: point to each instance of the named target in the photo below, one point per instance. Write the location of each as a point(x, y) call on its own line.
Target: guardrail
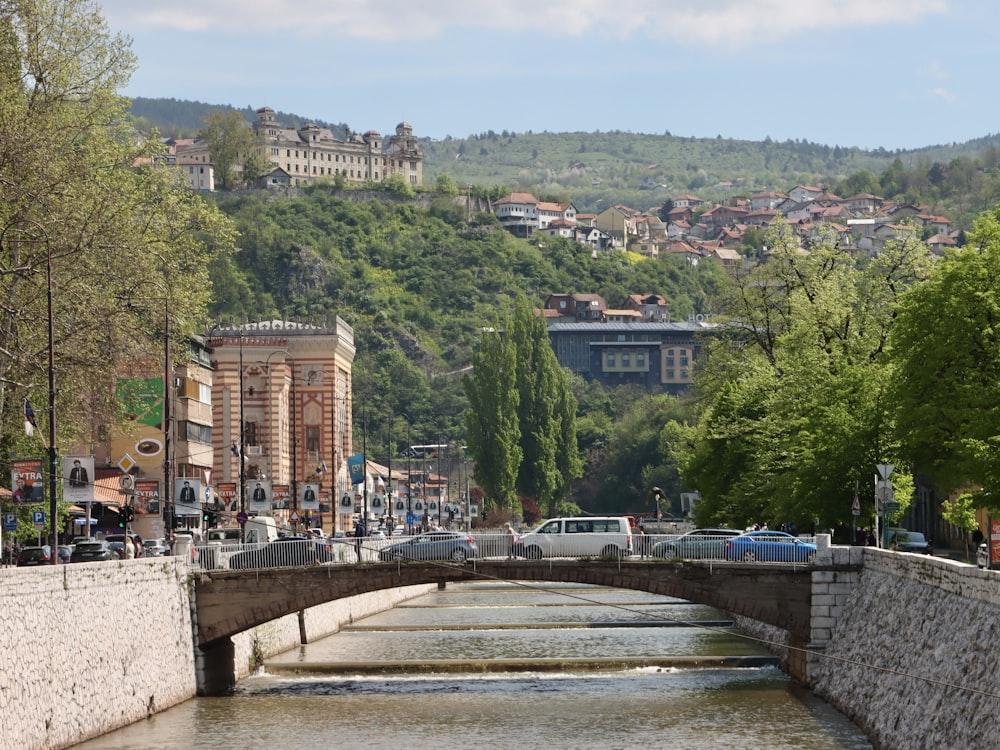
point(491, 545)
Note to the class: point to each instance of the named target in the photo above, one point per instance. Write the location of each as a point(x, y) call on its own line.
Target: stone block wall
point(91, 647)
point(912, 653)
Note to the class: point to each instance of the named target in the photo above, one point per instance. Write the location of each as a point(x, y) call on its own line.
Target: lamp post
point(53, 528)
point(270, 426)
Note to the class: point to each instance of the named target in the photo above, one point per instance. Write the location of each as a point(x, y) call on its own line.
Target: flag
point(30, 423)
point(237, 451)
point(321, 469)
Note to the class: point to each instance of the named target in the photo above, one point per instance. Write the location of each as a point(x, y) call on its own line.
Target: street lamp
point(271, 429)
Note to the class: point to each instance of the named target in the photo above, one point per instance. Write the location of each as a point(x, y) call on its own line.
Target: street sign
point(884, 470)
point(856, 506)
point(38, 518)
point(891, 507)
point(9, 521)
point(208, 493)
point(126, 463)
point(294, 517)
point(241, 518)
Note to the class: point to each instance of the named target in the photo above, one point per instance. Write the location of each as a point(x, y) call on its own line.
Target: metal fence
point(348, 550)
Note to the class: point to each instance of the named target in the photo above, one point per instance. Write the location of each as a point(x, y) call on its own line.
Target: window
point(312, 439)
point(195, 433)
point(251, 435)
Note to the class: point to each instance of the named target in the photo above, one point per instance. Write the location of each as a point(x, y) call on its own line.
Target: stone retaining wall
point(91, 647)
point(912, 658)
point(88, 648)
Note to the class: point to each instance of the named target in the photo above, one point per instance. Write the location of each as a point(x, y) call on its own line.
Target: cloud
point(721, 22)
point(943, 94)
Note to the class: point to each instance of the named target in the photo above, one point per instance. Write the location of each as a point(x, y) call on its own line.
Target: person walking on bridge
point(359, 533)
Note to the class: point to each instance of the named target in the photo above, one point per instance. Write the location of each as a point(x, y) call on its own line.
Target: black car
point(904, 540)
point(93, 551)
point(41, 555)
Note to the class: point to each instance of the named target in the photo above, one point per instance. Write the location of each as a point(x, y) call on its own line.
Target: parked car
point(983, 555)
point(698, 544)
point(433, 545)
point(65, 552)
point(903, 540)
point(35, 555)
point(282, 552)
point(155, 547)
point(93, 551)
point(769, 546)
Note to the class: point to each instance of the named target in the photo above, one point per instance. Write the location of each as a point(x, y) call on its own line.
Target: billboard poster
point(78, 479)
point(228, 497)
point(147, 497)
point(310, 496)
point(280, 496)
point(259, 496)
point(324, 501)
point(26, 479)
point(141, 433)
point(187, 494)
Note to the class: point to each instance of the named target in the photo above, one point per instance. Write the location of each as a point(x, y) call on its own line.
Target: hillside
point(418, 285)
point(596, 170)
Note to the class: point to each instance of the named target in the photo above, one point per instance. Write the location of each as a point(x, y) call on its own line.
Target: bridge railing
point(491, 545)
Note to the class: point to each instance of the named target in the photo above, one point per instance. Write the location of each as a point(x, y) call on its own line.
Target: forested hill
point(418, 285)
point(596, 170)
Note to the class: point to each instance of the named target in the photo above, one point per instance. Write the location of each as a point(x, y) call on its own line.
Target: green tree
point(230, 141)
point(538, 473)
point(492, 429)
point(122, 246)
point(444, 184)
point(946, 350)
point(795, 386)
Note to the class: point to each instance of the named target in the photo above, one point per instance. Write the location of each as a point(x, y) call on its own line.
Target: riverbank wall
point(88, 648)
point(911, 655)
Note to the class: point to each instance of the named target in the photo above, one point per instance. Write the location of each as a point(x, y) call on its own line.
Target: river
point(472, 666)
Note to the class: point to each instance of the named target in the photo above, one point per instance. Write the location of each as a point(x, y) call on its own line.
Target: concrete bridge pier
point(215, 667)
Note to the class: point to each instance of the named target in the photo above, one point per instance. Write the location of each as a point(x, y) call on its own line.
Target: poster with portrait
point(228, 497)
point(26, 480)
point(310, 496)
point(78, 479)
point(280, 496)
point(324, 501)
point(187, 494)
point(147, 497)
point(259, 496)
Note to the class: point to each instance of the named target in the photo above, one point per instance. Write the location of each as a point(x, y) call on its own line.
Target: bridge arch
point(227, 602)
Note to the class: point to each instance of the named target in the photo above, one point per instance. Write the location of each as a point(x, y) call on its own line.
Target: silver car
point(434, 545)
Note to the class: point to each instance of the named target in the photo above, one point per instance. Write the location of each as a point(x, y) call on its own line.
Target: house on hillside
point(517, 213)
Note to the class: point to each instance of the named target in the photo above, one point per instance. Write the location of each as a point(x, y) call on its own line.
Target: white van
point(585, 536)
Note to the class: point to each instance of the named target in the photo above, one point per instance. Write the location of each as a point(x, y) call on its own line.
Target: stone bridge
point(227, 602)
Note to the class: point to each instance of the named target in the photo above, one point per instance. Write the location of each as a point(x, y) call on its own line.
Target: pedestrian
point(129, 549)
point(512, 539)
point(359, 533)
point(640, 542)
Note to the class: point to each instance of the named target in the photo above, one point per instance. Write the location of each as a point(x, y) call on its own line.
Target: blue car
point(769, 546)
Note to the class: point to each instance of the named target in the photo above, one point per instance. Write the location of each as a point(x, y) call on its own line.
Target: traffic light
point(122, 519)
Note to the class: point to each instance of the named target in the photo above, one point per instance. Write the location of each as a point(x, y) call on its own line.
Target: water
point(328, 704)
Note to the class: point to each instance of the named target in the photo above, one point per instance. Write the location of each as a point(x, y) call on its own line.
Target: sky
point(893, 74)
